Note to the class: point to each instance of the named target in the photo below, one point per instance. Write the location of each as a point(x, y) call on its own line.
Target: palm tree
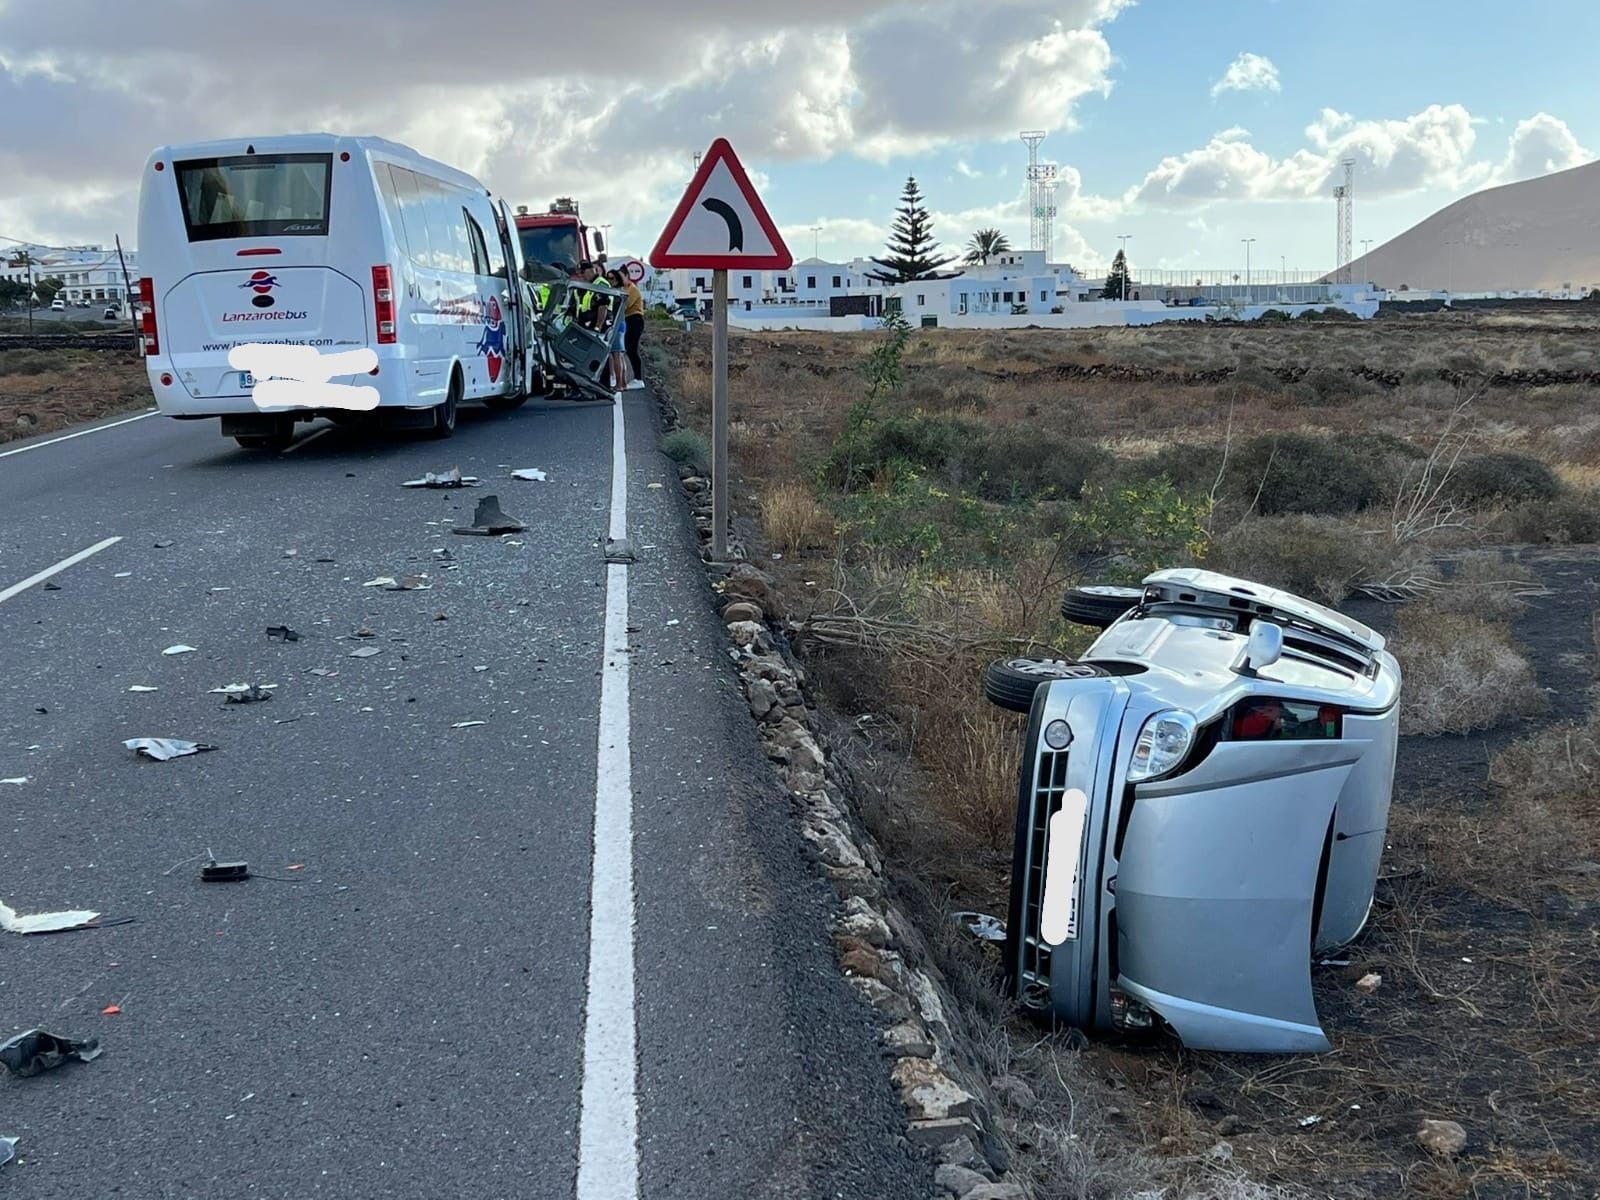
point(985, 244)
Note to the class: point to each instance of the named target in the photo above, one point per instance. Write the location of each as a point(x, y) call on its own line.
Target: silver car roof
point(1195, 586)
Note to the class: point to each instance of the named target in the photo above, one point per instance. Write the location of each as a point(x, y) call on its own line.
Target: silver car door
point(1216, 890)
point(578, 353)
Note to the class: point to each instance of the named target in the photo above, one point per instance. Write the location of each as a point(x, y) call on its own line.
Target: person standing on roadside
point(634, 315)
point(619, 359)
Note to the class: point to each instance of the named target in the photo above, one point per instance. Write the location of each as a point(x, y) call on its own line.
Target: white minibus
point(337, 243)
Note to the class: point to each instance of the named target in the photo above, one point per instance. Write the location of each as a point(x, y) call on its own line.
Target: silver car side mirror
point(1264, 648)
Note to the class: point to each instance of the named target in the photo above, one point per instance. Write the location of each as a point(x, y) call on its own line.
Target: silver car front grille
point(1050, 785)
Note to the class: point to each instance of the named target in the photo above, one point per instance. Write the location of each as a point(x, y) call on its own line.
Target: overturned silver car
point(1202, 807)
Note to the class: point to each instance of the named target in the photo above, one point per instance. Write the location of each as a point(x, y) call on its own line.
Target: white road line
point(18, 588)
point(308, 439)
point(608, 1153)
point(67, 437)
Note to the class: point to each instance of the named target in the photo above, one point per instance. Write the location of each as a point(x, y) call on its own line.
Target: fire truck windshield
point(549, 251)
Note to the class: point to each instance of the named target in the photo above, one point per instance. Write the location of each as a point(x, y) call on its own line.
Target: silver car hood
point(1192, 585)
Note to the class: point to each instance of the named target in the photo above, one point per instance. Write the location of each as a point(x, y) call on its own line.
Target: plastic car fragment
point(244, 693)
point(490, 521)
point(35, 1052)
point(453, 478)
point(162, 749)
point(53, 922)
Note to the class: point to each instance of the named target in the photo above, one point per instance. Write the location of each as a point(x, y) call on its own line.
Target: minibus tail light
point(383, 303)
point(147, 317)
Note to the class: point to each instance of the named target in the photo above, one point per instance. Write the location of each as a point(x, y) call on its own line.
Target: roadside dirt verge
point(46, 389)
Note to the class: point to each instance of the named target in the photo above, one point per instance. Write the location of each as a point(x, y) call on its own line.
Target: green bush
point(1016, 461)
point(688, 448)
point(1150, 525)
point(1502, 475)
point(1395, 461)
point(1191, 467)
point(1302, 473)
point(1322, 558)
point(872, 443)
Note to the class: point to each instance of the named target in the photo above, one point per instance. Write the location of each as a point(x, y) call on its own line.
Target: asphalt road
point(400, 1010)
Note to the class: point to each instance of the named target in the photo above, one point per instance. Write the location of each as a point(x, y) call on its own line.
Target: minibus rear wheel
point(444, 417)
point(280, 437)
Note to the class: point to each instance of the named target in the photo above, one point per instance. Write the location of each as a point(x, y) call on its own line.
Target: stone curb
point(879, 951)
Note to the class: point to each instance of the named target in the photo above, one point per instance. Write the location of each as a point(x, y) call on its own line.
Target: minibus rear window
point(255, 195)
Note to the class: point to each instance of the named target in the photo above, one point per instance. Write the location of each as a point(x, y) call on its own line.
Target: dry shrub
point(1502, 475)
point(793, 520)
point(1322, 558)
point(1302, 473)
point(1462, 673)
point(1572, 517)
point(1545, 805)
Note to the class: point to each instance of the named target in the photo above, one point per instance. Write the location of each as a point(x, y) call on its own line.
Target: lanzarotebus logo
point(262, 283)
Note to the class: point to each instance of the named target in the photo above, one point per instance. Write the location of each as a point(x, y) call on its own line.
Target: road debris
point(365, 651)
point(324, 672)
point(244, 693)
point(53, 922)
point(180, 648)
point(619, 551)
point(489, 521)
point(981, 925)
point(467, 724)
point(531, 474)
point(224, 872)
point(8, 1150)
point(161, 749)
point(409, 583)
point(382, 581)
point(1369, 982)
point(17, 779)
point(281, 633)
point(163, 544)
point(1307, 1122)
point(122, 575)
point(140, 687)
point(453, 478)
point(35, 1052)
point(111, 1010)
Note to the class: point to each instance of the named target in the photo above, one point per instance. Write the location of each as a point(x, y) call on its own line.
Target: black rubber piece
point(1098, 606)
point(1011, 682)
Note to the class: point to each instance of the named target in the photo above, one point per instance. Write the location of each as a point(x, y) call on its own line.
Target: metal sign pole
point(719, 416)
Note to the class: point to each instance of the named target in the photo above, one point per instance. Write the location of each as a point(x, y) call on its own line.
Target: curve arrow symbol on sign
point(735, 228)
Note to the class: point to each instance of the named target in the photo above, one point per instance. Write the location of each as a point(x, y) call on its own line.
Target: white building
point(91, 275)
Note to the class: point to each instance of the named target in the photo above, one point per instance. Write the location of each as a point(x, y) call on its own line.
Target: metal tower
point(1039, 227)
point(1344, 196)
point(1043, 225)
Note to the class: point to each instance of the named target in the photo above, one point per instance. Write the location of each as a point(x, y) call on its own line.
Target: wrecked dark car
point(1202, 808)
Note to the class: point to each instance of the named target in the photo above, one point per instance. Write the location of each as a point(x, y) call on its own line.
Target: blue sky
point(832, 103)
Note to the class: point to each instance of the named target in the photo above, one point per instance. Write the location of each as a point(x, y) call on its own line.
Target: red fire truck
point(555, 242)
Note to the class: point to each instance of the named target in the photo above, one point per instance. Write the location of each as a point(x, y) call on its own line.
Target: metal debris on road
point(161, 749)
point(324, 672)
point(409, 583)
point(531, 474)
point(365, 652)
point(244, 693)
point(140, 687)
point(35, 1052)
point(619, 551)
point(122, 575)
point(981, 925)
point(52, 922)
point(489, 521)
point(180, 648)
point(281, 633)
point(382, 581)
point(8, 1150)
point(17, 779)
point(467, 724)
point(453, 478)
point(163, 544)
point(224, 872)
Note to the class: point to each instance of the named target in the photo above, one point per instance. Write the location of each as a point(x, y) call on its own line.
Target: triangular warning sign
point(721, 222)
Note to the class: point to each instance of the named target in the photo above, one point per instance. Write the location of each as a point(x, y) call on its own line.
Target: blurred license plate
point(246, 380)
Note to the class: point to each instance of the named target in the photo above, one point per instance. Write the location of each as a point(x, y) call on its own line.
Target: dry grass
point(793, 520)
point(1462, 674)
point(42, 390)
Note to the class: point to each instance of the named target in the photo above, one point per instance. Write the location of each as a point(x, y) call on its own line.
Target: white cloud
point(963, 168)
point(871, 78)
point(1540, 145)
point(1430, 149)
point(1248, 73)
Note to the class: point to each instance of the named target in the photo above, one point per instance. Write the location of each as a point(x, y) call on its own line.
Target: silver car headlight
point(1162, 744)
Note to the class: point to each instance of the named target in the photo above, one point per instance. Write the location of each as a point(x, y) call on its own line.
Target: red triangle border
point(721, 151)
